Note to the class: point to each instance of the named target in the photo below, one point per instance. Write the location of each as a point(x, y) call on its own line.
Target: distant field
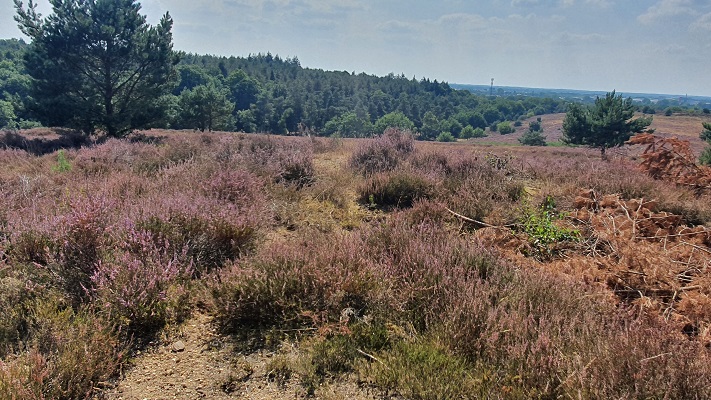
point(683, 126)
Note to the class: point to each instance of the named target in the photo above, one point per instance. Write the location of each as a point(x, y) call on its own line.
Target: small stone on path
point(178, 346)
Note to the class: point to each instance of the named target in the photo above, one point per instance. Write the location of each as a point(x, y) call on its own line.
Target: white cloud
point(577, 39)
point(397, 27)
point(599, 3)
point(665, 9)
point(463, 20)
point(560, 3)
point(702, 24)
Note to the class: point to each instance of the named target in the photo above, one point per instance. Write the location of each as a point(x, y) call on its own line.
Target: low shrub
point(142, 287)
point(284, 161)
point(394, 190)
point(297, 285)
point(446, 137)
point(423, 370)
point(68, 354)
point(208, 241)
point(532, 138)
point(30, 247)
point(542, 226)
point(83, 239)
point(237, 186)
point(383, 153)
point(14, 312)
point(340, 352)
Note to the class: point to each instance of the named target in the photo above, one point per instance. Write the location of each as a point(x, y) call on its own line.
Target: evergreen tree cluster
point(266, 93)
point(277, 95)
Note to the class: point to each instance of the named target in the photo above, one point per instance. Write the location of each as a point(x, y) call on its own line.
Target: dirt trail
point(198, 363)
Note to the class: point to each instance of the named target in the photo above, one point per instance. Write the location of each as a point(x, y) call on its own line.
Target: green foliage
point(97, 64)
point(399, 190)
point(473, 118)
point(467, 132)
point(63, 164)
point(425, 371)
point(492, 115)
point(608, 123)
point(15, 87)
point(445, 137)
point(7, 115)
point(205, 107)
point(705, 157)
point(706, 133)
point(243, 89)
point(431, 127)
point(532, 138)
point(339, 353)
point(192, 76)
point(505, 128)
point(348, 125)
point(534, 135)
point(393, 120)
point(544, 235)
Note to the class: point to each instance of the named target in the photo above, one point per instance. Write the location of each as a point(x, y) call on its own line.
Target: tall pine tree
point(97, 64)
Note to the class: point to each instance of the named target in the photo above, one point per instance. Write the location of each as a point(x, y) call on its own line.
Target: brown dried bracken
point(647, 257)
point(671, 159)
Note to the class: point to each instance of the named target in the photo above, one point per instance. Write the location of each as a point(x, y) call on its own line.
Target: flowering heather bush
point(383, 153)
point(83, 237)
point(564, 176)
point(290, 285)
point(114, 155)
point(106, 251)
point(141, 287)
point(235, 186)
point(523, 334)
point(14, 299)
point(469, 184)
point(209, 232)
point(284, 161)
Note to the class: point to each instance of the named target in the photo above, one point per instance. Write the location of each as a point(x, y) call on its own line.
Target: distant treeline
point(267, 93)
point(273, 94)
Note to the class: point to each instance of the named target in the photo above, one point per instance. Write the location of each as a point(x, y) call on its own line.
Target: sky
point(646, 46)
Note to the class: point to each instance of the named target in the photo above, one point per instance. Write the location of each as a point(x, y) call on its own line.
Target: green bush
point(505, 128)
point(396, 190)
point(446, 137)
point(532, 138)
point(423, 370)
point(705, 157)
point(543, 233)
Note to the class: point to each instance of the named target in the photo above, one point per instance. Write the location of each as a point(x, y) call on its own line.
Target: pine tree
point(97, 64)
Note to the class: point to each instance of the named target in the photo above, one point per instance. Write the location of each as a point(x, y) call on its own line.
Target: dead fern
point(671, 159)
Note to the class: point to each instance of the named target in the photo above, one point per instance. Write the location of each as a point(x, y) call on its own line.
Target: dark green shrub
point(446, 137)
point(395, 190)
point(505, 128)
point(532, 138)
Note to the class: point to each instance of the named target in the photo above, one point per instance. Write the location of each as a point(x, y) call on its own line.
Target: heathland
point(177, 264)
